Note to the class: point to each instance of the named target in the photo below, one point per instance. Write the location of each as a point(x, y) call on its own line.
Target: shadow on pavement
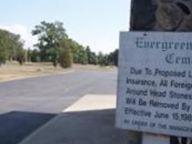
point(88, 127)
point(16, 125)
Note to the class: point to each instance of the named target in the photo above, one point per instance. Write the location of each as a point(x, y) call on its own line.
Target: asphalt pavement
point(27, 104)
point(90, 120)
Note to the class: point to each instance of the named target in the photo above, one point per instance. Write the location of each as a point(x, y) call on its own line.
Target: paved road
point(27, 104)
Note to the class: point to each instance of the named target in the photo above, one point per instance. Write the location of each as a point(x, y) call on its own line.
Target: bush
point(66, 58)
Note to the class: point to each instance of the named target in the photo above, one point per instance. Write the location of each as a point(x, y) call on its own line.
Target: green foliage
point(3, 46)
point(108, 59)
point(65, 58)
point(65, 54)
point(113, 57)
point(103, 59)
point(33, 55)
point(11, 46)
point(80, 56)
point(21, 56)
point(2, 56)
point(49, 37)
point(54, 46)
point(92, 57)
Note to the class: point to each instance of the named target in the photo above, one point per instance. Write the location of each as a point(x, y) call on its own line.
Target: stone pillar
point(142, 15)
point(159, 15)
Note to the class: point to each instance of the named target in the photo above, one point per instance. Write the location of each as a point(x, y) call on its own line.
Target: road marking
point(93, 102)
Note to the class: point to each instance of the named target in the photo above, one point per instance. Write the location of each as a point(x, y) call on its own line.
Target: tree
point(33, 55)
point(2, 55)
point(49, 36)
point(11, 46)
point(21, 57)
point(103, 59)
point(92, 57)
point(80, 55)
point(15, 47)
point(113, 58)
point(4, 42)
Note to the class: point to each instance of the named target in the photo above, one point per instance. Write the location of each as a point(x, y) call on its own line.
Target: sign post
point(155, 83)
point(151, 139)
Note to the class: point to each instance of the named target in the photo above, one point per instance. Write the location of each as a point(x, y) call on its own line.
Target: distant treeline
point(54, 45)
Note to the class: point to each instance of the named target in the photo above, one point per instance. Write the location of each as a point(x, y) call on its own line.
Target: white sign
point(155, 83)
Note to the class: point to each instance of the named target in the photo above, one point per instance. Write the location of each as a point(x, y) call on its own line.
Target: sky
point(94, 23)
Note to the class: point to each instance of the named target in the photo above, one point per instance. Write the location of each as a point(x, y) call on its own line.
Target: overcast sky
point(96, 23)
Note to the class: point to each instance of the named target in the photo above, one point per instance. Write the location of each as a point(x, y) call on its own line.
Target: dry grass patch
point(13, 71)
